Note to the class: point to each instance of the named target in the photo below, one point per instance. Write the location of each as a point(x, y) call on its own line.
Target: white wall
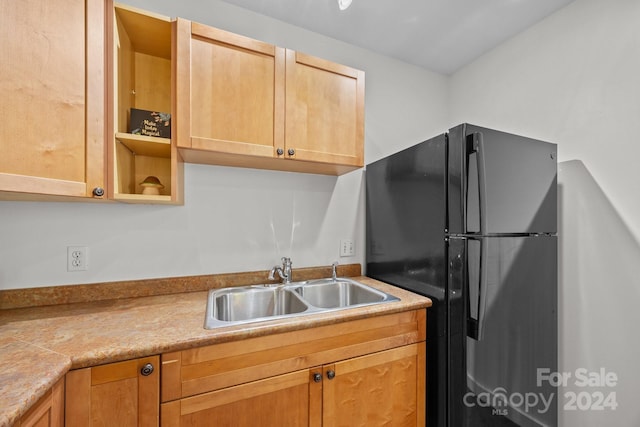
point(574, 79)
point(233, 219)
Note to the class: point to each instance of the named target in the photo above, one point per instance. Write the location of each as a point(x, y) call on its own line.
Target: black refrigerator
point(469, 219)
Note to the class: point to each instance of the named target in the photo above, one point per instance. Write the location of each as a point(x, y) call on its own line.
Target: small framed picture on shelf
point(150, 123)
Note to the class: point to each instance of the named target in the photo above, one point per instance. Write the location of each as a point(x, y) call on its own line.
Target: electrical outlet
point(346, 247)
point(77, 258)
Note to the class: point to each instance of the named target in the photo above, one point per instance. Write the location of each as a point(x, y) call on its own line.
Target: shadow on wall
point(598, 303)
point(246, 219)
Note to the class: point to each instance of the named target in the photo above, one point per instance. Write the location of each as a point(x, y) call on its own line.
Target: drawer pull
point(147, 369)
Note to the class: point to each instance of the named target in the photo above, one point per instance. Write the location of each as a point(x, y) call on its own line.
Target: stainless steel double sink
point(258, 303)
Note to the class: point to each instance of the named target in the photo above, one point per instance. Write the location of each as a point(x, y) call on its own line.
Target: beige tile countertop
point(38, 345)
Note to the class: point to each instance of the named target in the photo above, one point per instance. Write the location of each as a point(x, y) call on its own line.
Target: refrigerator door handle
point(477, 146)
point(475, 326)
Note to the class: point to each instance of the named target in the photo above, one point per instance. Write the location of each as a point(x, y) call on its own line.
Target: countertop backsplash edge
point(67, 294)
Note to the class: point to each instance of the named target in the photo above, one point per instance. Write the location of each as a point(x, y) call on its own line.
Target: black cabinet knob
point(331, 374)
point(317, 377)
point(147, 369)
point(280, 151)
point(98, 191)
point(291, 151)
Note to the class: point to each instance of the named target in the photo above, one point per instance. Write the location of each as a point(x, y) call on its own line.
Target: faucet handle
point(272, 273)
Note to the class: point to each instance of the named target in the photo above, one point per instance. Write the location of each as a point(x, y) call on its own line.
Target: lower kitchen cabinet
point(120, 394)
point(385, 388)
point(46, 412)
point(284, 400)
point(363, 372)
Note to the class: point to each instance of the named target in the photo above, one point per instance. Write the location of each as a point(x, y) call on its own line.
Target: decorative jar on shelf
point(151, 186)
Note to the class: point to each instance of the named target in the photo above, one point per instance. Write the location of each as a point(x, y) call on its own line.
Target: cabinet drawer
point(190, 372)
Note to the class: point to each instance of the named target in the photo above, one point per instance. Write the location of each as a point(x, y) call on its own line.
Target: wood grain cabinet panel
point(283, 400)
point(352, 373)
point(243, 102)
point(384, 388)
point(231, 89)
point(324, 111)
point(52, 77)
point(46, 412)
point(117, 394)
point(141, 63)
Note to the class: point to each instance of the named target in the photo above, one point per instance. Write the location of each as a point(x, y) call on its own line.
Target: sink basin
point(247, 304)
point(239, 305)
point(329, 293)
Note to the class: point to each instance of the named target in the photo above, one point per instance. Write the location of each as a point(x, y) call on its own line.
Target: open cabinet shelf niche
point(142, 79)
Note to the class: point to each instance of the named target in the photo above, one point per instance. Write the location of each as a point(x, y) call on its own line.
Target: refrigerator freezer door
point(500, 183)
point(519, 332)
point(406, 202)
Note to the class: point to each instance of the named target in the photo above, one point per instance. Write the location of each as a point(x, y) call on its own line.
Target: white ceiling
point(440, 35)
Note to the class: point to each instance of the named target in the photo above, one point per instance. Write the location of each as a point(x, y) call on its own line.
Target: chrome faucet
point(334, 270)
point(283, 271)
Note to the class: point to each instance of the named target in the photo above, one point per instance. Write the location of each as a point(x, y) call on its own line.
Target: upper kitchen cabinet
point(144, 164)
point(324, 111)
point(230, 95)
point(52, 80)
point(243, 102)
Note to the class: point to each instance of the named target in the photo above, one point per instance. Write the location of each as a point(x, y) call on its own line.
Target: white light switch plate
point(347, 247)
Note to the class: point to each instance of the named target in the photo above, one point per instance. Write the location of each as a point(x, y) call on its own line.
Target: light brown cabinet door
point(324, 111)
point(385, 388)
point(52, 108)
point(117, 394)
point(286, 400)
point(229, 91)
point(48, 411)
point(249, 382)
point(243, 102)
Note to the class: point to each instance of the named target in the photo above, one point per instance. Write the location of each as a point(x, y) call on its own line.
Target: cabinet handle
point(291, 151)
point(317, 377)
point(331, 374)
point(98, 191)
point(280, 151)
point(147, 369)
